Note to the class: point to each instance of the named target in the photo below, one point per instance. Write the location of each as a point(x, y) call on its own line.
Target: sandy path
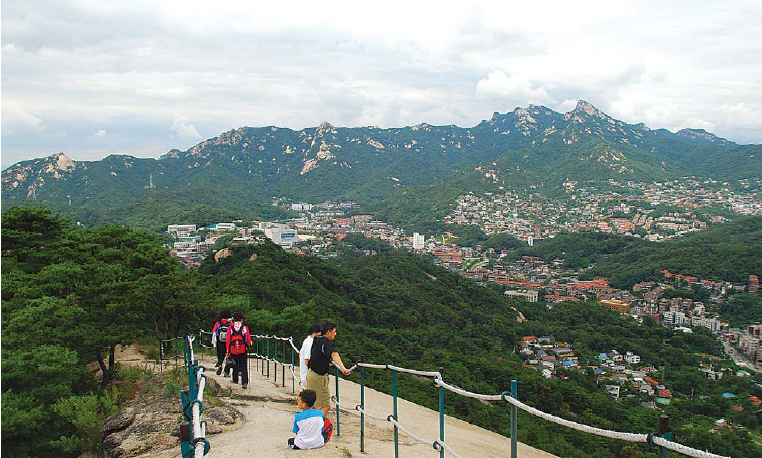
point(268, 410)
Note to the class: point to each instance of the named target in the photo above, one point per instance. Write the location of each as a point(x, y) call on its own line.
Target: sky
point(91, 78)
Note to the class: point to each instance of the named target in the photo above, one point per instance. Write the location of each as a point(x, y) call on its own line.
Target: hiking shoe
point(235, 381)
point(244, 386)
point(219, 370)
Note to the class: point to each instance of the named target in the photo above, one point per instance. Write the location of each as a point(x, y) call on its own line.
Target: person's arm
point(248, 337)
point(306, 349)
point(227, 339)
point(337, 359)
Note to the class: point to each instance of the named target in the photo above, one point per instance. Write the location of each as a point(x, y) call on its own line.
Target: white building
point(418, 241)
point(225, 227)
point(710, 323)
point(631, 358)
point(181, 230)
point(280, 234)
point(674, 319)
point(300, 207)
point(531, 295)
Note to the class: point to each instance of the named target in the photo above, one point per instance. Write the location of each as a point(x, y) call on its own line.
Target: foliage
point(86, 414)
point(410, 175)
point(85, 292)
point(90, 290)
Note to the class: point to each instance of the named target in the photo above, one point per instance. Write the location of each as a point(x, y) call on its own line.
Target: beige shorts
point(319, 383)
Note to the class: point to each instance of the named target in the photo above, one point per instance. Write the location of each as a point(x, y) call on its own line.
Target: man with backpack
point(321, 355)
point(238, 340)
point(219, 336)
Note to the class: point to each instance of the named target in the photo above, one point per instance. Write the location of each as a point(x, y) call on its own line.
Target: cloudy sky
point(94, 77)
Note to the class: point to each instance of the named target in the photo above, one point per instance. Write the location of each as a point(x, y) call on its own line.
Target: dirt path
point(268, 409)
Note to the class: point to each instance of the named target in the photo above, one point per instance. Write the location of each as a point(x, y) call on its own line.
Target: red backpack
point(237, 342)
point(327, 430)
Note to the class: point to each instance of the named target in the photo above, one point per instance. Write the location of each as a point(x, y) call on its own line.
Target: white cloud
point(16, 120)
point(100, 133)
point(74, 67)
point(182, 129)
point(513, 86)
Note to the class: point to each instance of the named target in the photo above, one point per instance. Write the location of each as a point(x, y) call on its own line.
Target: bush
point(86, 414)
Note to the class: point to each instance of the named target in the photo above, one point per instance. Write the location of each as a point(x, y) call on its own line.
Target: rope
point(436, 444)
point(439, 381)
point(201, 333)
point(414, 372)
point(371, 366)
point(199, 427)
point(683, 449)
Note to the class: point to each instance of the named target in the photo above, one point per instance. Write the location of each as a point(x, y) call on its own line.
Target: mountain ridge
point(369, 164)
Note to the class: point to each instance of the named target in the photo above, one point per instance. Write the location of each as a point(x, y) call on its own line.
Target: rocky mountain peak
point(701, 134)
point(589, 109)
point(323, 128)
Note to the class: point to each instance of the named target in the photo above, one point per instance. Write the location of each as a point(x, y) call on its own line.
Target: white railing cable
point(438, 381)
point(415, 372)
point(201, 333)
point(436, 444)
point(199, 427)
point(660, 441)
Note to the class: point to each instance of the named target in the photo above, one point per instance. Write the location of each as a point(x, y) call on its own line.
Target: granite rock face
point(152, 421)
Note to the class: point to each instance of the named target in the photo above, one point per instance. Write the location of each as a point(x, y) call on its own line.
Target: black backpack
point(222, 332)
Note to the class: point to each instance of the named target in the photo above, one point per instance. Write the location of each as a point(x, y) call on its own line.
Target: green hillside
point(243, 169)
point(89, 290)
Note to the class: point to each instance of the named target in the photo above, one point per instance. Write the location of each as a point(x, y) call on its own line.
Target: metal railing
point(193, 441)
point(266, 351)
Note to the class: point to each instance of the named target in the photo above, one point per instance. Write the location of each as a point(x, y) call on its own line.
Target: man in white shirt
point(304, 353)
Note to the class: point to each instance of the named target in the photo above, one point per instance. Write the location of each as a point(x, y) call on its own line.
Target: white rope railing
point(619, 435)
point(201, 334)
point(436, 444)
point(199, 442)
point(680, 448)
point(439, 381)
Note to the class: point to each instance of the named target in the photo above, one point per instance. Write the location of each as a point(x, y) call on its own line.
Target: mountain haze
point(244, 168)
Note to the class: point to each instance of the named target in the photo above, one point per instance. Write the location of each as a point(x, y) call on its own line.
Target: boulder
point(118, 421)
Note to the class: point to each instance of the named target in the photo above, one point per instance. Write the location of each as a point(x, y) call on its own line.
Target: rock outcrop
point(152, 420)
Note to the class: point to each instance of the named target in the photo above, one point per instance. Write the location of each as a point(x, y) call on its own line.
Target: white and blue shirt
point(308, 426)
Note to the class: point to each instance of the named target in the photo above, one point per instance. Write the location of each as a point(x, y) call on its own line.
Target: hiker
point(219, 336)
point(238, 340)
point(321, 355)
point(304, 352)
point(311, 427)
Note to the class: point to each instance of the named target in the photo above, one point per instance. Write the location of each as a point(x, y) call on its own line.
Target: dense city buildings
point(653, 211)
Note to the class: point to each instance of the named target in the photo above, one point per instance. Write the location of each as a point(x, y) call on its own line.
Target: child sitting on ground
point(308, 424)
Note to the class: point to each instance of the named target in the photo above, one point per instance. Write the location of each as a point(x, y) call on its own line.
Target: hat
point(237, 317)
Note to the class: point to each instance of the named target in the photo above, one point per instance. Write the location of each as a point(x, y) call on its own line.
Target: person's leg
point(220, 357)
point(243, 364)
point(322, 390)
point(237, 369)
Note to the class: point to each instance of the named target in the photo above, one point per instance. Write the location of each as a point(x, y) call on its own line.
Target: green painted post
point(362, 406)
point(161, 356)
point(186, 449)
point(293, 382)
point(441, 415)
point(396, 418)
point(514, 422)
point(338, 425)
point(268, 356)
point(283, 378)
point(665, 433)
